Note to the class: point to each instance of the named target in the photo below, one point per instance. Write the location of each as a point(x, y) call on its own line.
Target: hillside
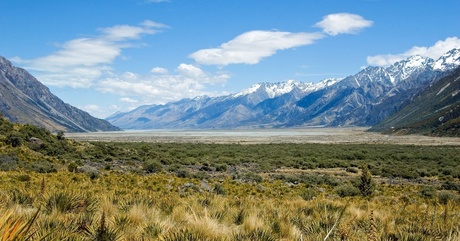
point(434, 111)
point(23, 99)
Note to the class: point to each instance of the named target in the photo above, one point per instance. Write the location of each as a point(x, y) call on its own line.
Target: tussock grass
point(116, 206)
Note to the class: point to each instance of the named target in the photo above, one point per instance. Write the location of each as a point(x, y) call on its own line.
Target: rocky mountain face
point(434, 111)
point(23, 99)
point(363, 99)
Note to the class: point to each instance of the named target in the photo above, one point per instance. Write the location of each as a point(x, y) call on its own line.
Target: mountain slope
point(23, 99)
point(434, 111)
point(363, 99)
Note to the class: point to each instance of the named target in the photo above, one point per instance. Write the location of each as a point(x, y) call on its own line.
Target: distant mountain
point(236, 110)
point(363, 99)
point(434, 111)
point(23, 99)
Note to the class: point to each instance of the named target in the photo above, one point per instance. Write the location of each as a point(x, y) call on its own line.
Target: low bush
point(347, 190)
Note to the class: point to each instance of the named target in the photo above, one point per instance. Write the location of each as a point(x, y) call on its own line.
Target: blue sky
point(105, 56)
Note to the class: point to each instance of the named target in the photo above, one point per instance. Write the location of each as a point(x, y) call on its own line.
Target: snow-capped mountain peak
point(403, 69)
point(276, 89)
point(447, 61)
point(415, 61)
point(327, 82)
point(248, 91)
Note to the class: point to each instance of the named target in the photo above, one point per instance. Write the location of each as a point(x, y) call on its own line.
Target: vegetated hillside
point(434, 111)
point(363, 99)
point(23, 99)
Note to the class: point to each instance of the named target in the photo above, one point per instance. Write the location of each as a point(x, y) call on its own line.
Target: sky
point(106, 56)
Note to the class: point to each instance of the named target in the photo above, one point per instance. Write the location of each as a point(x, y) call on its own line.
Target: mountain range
point(23, 99)
point(363, 99)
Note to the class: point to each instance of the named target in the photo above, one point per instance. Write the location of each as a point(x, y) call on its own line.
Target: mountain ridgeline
point(363, 99)
point(23, 99)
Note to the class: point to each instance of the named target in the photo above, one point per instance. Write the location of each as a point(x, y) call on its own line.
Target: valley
point(322, 135)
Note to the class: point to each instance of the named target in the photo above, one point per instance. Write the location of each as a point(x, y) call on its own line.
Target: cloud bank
point(434, 52)
point(80, 62)
point(252, 46)
point(188, 81)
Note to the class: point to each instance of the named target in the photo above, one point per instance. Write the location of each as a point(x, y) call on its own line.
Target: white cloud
point(188, 82)
point(91, 108)
point(159, 70)
point(191, 71)
point(434, 52)
point(252, 46)
point(79, 62)
point(128, 100)
point(341, 23)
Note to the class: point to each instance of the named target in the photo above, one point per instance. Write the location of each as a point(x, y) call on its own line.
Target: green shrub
point(72, 167)
point(153, 166)
point(23, 178)
point(219, 189)
point(365, 184)
point(347, 190)
point(449, 185)
point(221, 168)
point(14, 141)
point(309, 194)
point(428, 192)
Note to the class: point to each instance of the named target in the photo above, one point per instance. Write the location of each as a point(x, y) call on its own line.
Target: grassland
point(55, 188)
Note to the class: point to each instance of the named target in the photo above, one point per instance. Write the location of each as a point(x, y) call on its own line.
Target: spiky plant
point(15, 229)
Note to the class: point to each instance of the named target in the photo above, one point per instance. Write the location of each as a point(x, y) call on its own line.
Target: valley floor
point(264, 136)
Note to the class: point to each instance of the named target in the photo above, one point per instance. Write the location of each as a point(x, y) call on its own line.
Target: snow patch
point(276, 89)
point(448, 60)
point(249, 90)
point(443, 88)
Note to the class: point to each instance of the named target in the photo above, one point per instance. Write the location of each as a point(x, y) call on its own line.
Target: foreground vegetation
point(72, 206)
point(53, 188)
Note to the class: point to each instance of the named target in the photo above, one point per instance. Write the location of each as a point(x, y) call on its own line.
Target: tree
point(14, 141)
point(366, 184)
point(60, 135)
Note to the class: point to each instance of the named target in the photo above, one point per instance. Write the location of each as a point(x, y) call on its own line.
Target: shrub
point(449, 185)
point(14, 141)
point(221, 168)
point(182, 173)
point(72, 167)
point(308, 194)
point(366, 184)
point(24, 178)
point(428, 192)
point(219, 189)
point(153, 166)
point(43, 167)
point(347, 190)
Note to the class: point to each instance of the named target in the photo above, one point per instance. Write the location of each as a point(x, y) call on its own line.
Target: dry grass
point(164, 207)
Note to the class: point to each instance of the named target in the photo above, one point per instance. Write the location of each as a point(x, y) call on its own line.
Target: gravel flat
point(263, 136)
